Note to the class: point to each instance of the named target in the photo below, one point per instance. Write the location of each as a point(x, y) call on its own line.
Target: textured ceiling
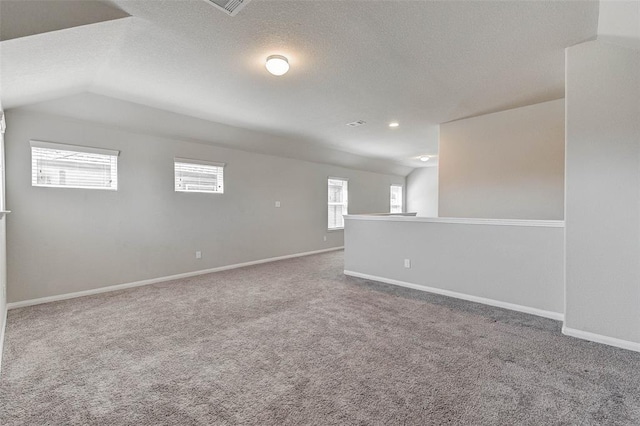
point(420, 63)
point(25, 18)
point(58, 63)
point(139, 118)
point(619, 23)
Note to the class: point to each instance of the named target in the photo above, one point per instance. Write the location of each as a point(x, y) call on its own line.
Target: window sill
point(335, 229)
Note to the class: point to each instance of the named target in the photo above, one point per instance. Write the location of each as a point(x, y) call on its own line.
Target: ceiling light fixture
point(277, 65)
point(394, 124)
point(424, 158)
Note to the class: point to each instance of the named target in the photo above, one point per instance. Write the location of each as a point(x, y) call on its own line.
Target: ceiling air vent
point(356, 123)
point(230, 7)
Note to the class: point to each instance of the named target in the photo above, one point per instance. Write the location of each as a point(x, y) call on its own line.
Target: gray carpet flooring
point(296, 342)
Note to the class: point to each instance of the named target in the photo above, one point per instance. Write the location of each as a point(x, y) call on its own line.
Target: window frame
point(3, 177)
point(54, 146)
point(345, 203)
point(197, 162)
point(396, 185)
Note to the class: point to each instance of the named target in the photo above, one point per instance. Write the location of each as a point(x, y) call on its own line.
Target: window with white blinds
point(396, 199)
point(69, 166)
point(2, 173)
point(199, 176)
point(338, 202)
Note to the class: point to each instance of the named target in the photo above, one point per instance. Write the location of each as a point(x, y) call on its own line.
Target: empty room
point(323, 212)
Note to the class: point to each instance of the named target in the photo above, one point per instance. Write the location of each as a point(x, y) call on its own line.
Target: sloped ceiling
point(619, 23)
point(25, 18)
point(420, 63)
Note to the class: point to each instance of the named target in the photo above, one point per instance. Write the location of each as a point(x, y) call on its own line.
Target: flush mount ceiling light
point(394, 124)
point(424, 158)
point(277, 65)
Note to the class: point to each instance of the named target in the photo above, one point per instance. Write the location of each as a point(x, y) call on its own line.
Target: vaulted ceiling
point(420, 63)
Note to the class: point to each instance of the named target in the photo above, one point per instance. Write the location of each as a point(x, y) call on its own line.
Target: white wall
point(516, 265)
point(507, 165)
point(69, 240)
point(422, 191)
point(603, 191)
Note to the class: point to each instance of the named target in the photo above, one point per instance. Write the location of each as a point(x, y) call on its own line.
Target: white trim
point(599, 338)
point(491, 302)
point(200, 162)
point(2, 333)
point(41, 300)
point(412, 214)
point(460, 220)
point(76, 148)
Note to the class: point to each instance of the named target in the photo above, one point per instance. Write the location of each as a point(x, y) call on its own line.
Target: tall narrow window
point(338, 202)
point(395, 201)
point(3, 126)
point(69, 166)
point(198, 176)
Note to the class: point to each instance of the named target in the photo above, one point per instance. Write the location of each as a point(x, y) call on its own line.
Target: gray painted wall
point(422, 191)
point(513, 264)
point(603, 190)
point(68, 240)
point(506, 165)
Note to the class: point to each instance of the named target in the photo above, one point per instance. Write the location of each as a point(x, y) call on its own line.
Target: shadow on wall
point(422, 191)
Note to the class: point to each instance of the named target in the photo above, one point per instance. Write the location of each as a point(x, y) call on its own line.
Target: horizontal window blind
point(67, 166)
point(198, 176)
point(396, 199)
point(338, 202)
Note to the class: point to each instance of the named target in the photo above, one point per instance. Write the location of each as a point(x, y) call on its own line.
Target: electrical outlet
point(407, 263)
point(325, 238)
point(277, 203)
point(198, 255)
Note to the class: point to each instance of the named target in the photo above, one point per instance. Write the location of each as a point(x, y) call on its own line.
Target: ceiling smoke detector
point(356, 123)
point(230, 7)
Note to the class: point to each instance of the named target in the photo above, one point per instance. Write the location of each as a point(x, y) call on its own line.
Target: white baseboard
point(41, 300)
point(511, 306)
point(2, 331)
point(599, 338)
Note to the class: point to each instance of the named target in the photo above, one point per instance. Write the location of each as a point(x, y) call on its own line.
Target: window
point(396, 199)
point(199, 176)
point(338, 201)
point(3, 126)
point(69, 166)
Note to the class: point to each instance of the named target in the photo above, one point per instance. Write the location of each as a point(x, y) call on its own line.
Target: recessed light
point(424, 158)
point(277, 65)
point(394, 124)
